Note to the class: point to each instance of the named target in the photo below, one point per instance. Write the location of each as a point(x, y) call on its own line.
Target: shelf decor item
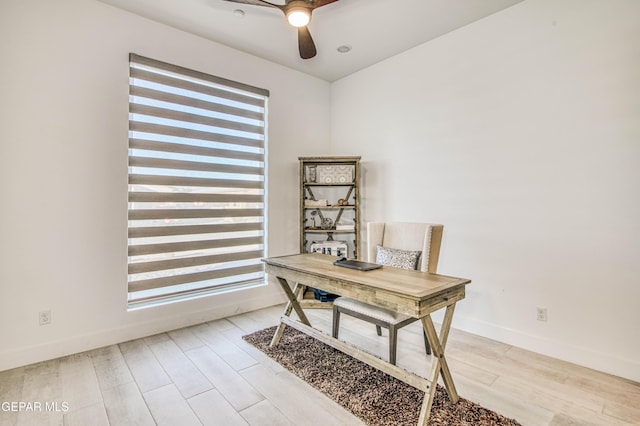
point(333, 248)
point(335, 173)
point(311, 174)
point(315, 203)
point(327, 223)
point(343, 226)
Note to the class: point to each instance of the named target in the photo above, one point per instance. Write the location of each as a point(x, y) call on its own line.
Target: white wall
point(63, 165)
point(521, 134)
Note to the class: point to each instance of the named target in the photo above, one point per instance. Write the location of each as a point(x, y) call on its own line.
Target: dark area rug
point(373, 396)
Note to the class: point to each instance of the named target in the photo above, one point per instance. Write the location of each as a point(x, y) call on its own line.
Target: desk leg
point(293, 304)
point(439, 366)
point(446, 325)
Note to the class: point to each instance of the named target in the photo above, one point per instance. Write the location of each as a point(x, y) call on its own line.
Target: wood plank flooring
point(206, 374)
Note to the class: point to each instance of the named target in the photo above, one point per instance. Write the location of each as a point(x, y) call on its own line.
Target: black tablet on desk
point(356, 264)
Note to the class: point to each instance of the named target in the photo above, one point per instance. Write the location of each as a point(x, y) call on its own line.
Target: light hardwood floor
point(206, 374)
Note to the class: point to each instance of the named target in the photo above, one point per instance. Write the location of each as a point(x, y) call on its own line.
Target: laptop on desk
point(356, 264)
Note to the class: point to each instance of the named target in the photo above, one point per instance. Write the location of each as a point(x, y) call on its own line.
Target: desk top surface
point(407, 283)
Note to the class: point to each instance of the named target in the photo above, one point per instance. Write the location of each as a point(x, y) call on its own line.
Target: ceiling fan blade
point(305, 43)
point(257, 3)
point(320, 3)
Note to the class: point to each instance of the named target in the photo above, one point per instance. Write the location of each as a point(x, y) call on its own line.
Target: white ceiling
point(375, 29)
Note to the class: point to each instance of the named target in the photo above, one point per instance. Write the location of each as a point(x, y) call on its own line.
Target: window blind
point(196, 182)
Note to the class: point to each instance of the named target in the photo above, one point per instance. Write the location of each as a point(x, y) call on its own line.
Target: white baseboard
point(583, 356)
point(586, 357)
point(18, 357)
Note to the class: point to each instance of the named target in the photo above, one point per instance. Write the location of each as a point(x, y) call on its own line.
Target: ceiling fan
point(298, 13)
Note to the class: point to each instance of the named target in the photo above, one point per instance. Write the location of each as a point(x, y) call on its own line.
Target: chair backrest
point(425, 237)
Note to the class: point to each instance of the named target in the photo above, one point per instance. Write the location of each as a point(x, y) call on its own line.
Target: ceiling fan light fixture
point(298, 16)
point(298, 13)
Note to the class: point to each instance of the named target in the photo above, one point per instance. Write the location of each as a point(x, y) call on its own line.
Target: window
point(196, 182)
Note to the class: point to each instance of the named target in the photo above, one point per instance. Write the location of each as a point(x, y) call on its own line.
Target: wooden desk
point(413, 293)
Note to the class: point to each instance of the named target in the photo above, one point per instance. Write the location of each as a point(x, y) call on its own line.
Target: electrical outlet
point(541, 314)
point(44, 317)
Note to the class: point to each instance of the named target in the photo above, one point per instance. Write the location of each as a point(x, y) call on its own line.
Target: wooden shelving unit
point(336, 180)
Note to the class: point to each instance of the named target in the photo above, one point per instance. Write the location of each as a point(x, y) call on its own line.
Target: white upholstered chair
point(399, 242)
